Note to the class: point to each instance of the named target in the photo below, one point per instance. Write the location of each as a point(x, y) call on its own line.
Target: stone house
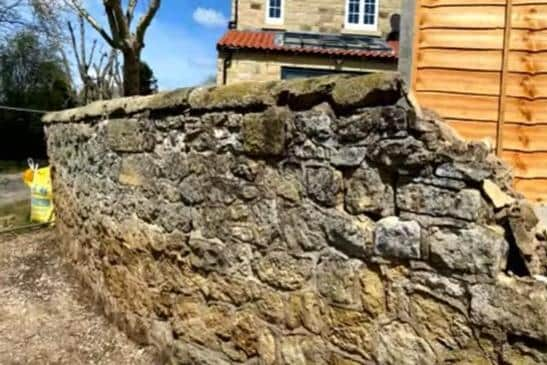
point(284, 39)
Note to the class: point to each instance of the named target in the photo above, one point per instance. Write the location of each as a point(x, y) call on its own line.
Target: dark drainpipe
point(226, 65)
point(227, 53)
point(233, 23)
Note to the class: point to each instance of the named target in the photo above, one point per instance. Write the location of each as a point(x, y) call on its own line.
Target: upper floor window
point(362, 14)
point(274, 12)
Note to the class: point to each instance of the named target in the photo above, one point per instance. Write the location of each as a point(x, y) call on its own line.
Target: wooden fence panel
point(486, 74)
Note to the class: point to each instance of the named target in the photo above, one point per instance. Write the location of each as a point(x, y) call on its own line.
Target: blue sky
point(181, 41)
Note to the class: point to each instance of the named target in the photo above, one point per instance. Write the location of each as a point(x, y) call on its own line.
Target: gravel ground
point(45, 316)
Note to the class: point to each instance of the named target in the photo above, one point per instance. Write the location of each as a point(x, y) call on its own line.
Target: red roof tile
point(265, 40)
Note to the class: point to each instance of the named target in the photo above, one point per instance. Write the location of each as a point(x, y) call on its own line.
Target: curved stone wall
point(324, 221)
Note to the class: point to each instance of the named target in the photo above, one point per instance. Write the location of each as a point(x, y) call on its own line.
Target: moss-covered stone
point(305, 93)
point(264, 134)
point(121, 106)
point(241, 95)
point(129, 135)
point(370, 90)
point(299, 94)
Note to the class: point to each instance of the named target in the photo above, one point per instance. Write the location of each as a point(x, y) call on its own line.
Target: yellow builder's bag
point(41, 193)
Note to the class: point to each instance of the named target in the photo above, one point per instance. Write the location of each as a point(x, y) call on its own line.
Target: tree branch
point(82, 42)
point(75, 48)
point(145, 21)
point(85, 14)
point(112, 22)
point(120, 19)
point(131, 12)
point(92, 53)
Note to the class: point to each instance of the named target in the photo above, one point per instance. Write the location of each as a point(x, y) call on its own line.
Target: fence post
point(408, 19)
point(504, 72)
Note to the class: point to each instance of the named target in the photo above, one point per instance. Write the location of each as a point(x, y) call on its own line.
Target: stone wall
point(246, 66)
point(324, 16)
point(321, 221)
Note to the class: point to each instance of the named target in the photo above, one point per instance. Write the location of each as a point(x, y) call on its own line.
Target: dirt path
point(44, 318)
point(12, 189)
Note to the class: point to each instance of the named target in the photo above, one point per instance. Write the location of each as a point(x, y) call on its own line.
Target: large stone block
point(129, 135)
point(283, 271)
point(476, 250)
point(398, 239)
point(466, 204)
point(323, 185)
point(264, 134)
point(513, 305)
point(137, 170)
point(371, 90)
point(370, 191)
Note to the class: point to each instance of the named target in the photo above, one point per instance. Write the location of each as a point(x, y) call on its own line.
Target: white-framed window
point(274, 11)
point(362, 14)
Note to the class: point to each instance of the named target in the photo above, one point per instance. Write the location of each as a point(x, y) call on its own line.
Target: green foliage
point(31, 76)
point(149, 84)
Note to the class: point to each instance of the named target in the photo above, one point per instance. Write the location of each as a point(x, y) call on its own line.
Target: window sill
point(357, 31)
point(273, 26)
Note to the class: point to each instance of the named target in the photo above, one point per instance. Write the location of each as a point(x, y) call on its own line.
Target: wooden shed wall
point(486, 74)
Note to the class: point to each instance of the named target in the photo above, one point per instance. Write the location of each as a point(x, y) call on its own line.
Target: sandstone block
point(373, 295)
point(280, 270)
point(129, 135)
point(264, 134)
point(336, 281)
point(498, 198)
point(137, 170)
point(399, 344)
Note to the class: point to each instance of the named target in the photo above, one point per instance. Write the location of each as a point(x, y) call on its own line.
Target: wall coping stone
point(342, 91)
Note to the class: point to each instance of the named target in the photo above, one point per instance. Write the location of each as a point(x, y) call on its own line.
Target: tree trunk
point(131, 73)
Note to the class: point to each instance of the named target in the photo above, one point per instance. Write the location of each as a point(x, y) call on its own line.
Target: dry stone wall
point(321, 221)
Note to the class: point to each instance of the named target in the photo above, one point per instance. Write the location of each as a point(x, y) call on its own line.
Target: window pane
point(274, 8)
point(353, 11)
point(369, 15)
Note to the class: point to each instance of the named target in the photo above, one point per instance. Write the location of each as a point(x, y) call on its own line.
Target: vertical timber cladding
point(486, 74)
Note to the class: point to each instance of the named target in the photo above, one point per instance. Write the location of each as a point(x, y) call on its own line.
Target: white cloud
point(209, 17)
point(177, 57)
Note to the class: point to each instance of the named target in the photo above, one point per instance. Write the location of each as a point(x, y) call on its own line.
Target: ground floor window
point(289, 73)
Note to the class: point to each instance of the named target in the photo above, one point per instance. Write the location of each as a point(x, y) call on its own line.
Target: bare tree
point(122, 36)
point(100, 79)
point(10, 13)
point(48, 20)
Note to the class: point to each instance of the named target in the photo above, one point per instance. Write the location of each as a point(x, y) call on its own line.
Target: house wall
point(324, 16)
point(258, 66)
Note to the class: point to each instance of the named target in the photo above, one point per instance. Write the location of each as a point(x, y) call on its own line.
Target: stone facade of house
point(263, 62)
point(321, 16)
point(252, 66)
